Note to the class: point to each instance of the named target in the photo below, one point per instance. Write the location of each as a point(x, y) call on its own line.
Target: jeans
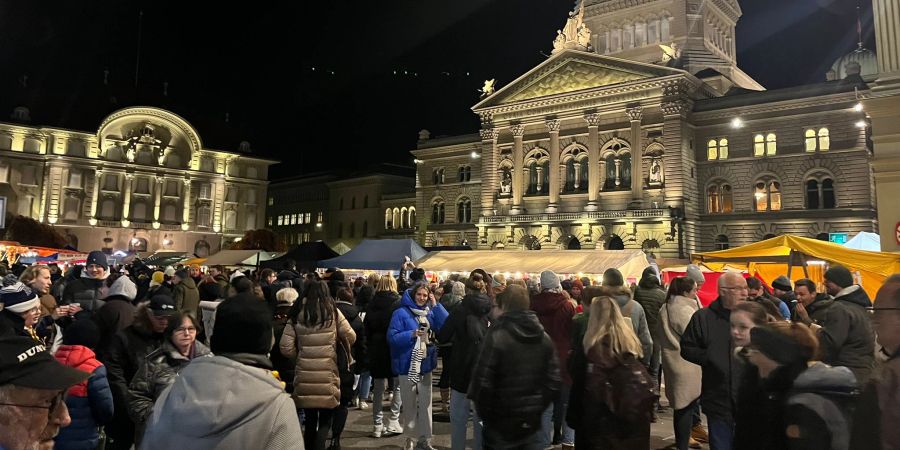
point(655, 363)
point(363, 385)
point(460, 411)
point(721, 433)
point(559, 415)
point(496, 441)
point(378, 402)
point(683, 422)
point(317, 423)
point(547, 427)
point(416, 412)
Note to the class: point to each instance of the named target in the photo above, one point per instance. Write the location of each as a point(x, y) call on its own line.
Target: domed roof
point(865, 58)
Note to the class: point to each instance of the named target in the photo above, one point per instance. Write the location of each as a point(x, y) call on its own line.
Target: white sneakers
point(393, 427)
point(363, 405)
point(376, 432)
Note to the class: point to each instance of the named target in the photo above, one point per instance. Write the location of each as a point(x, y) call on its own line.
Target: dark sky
point(329, 84)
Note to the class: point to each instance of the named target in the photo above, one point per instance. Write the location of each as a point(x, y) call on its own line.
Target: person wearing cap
point(126, 355)
point(806, 403)
point(21, 309)
point(847, 338)
point(781, 289)
point(256, 412)
point(32, 392)
point(187, 297)
point(90, 402)
point(159, 285)
point(118, 312)
point(87, 290)
point(555, 313)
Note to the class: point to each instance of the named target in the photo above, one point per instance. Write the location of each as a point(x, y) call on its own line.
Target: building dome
point(860, 61)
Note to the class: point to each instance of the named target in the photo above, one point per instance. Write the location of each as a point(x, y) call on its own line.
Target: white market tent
point(630, 262)
point(237, 257)
point(865, 241)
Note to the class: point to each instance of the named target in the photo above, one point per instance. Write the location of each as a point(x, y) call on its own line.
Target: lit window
point(817, 140)
point(767, 195)
point(271, 201)
point(770, 144)
point(280, 220)
point(759, 145)
point(717, 149)
point(269, 221)
point(307, 217)
point(720, 198)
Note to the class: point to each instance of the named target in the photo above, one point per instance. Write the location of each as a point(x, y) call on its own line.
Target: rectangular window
point(4, 173)
point(75, 179)
point(280, 220)
point(271, 201)
point(205, 191)
point(28, 176)
point(319, 220)
point(269, 221)
point(307, 217)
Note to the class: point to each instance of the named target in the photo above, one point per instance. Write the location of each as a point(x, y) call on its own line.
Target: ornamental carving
point(553, 125)
point(593, 120)
point(518, 130)
point(489, 134)
point(635, 113)
point(676, 108)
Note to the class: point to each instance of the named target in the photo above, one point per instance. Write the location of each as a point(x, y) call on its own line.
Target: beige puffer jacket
point(316, 380)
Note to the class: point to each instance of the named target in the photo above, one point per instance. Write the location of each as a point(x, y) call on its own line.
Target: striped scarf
point(420, 348)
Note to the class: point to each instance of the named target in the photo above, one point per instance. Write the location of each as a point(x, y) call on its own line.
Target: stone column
point(126, 200)
point(637, 174)
point(553, 126)
point(594, 165)
point(518, 181)
point(577, 181)
point(95, 196)
point(489, 153)
point(157, 199)
point(186, 215)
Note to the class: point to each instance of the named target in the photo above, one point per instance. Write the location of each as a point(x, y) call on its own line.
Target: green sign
point(837, 238)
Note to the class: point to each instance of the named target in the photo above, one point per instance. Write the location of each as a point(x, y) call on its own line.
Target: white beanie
point(170, 271)
point(236, 274)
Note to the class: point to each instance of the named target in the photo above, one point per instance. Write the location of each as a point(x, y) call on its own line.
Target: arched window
point(618, 172)
point(719, 198)
point(771, 147)
point(532, 178)
point(817, 140)
point(365, 230)
point(437, 212)
point(353, 203)
point(404, 217)
point(412, 217)
point(397, 222)
point(201, 248)
point(464, 210)
point(828, 198)
point(388, 219)
point(721, 242)
point(366, 201)
point(438, 176)
point(650, 246)
point(764, 145)
point(812, 194)
point(767, 195)
point(820, 193)
point(615, 243)
point(823, 237)
point(461, 175)
point(717, 149)
point(576, 172)
point(203, 216)
point(341, 203)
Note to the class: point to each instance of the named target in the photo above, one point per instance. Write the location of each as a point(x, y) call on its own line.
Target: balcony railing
point(557, 217)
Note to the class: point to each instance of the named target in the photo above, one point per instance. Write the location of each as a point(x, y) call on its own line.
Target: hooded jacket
point(819, 405)
point(516, 376)
point(466, 328)
point(194, 413)
point(187, 297)
point(846, 337)
point(707, 343)
point(378, 320)
point(113, 317)
point(635, 313)
point(650, 295)
point(90, 402)
point(555, 314)
point(401, 337)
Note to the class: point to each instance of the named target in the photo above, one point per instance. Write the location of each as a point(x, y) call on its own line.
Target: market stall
point(377, 254)
point(234, 258)
point(306, 256)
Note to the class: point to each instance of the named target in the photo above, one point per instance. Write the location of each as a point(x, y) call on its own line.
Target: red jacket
point(555, 314)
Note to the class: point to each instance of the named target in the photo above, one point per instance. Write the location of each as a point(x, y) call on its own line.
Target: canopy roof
point(161, 259)
point(377, 254)
point(865, 241)
point(630, 262)
point(234, 258)
point(305, 255)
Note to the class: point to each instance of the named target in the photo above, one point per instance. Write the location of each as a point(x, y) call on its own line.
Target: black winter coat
point(847, 338)
point(516, 377)
point(351, 313)
point(378, 320)
point(113, 317)
point(651, 297)
point(466, 328)
point(86, 293)
point(284, 365)
point(157, 373)
point(707, 342)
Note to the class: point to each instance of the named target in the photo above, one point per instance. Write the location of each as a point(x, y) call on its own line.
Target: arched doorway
point(531, 242)
point(615, 243)
point(573, 244)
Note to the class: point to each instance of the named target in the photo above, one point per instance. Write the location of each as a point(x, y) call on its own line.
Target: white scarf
point(420, 349)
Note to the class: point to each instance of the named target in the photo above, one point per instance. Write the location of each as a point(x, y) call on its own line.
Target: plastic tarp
point(592, 262)
point(377, 254)
point(305, 255)
point(162, 259)
point(872, 267)
point(865, 241)
point(234, 257)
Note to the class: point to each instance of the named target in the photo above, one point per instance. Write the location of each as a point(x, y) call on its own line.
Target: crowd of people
point(178, 358)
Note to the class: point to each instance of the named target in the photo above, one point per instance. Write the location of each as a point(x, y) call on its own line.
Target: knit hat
point(777, 346)
point(18, 298)
point(613, 278)
point(840, 276)
point(649, 272)
point(549, 280)
point(237, 274)
point(417, 274)
point(498, 280)
point(782, 283)
point(566, 285)
point(694, 273)
point(82, 332)
point(459, 289)
point(97, 257)
point(158, 278)
point(182, 273)
point(242, 326)
point(169, 271)
point(123, 286)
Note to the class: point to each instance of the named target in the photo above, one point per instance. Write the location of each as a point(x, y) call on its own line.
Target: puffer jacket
point(317, 377)
point(466, 328)
point(86, 292)
point(158, 372)
point(401, 335)
point(516, 377)
point(651, 297)
point(378, 320)
point(187, 296)
point(847, 337)
point(555, 314)
point(195, 413)
point(90, 402)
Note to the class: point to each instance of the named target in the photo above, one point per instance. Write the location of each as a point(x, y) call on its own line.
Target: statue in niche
point(506, 183)
point(656, 173)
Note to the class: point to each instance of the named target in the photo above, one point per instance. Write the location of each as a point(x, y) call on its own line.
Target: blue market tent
point(377, 254)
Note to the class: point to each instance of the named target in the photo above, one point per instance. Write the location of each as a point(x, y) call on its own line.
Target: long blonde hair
point(607, 324)
point(386, 283)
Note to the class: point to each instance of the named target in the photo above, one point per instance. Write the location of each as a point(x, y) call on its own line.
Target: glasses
point(188, 330)
point(51, 405)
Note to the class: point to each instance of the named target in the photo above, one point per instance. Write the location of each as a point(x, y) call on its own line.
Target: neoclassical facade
point(616, 141)
point(142, 182)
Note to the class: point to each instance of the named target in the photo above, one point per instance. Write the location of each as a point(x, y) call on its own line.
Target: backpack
point(626, 390)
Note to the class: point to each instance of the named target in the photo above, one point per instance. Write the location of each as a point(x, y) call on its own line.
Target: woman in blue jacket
point(414, 357)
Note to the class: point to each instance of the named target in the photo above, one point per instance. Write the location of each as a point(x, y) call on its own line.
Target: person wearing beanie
point(781, 289)
point(87, 289)
point(169, 272)
point(694, 273)
point(118, 312)
point(187, 297)
point(613, 278)
point(159, 285)
point(21, 308)
point(847, 337)
point(90, 402)
point(555, 313)
point(614, 286)
point(256, 413)
point(805, 403)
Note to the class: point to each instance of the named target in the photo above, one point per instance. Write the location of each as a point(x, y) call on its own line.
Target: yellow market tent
point(630, 262)
point(779, 255)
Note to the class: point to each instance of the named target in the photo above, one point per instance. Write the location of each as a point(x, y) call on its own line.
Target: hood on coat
point(477, 304)
point(383, 301)
point(547, 303)
point(649, 280)
point(216, 395)
point(74, 355)
point(189, 283)
point(523, 326)
point(822, 378)
point(407, 300)
point(854, 294)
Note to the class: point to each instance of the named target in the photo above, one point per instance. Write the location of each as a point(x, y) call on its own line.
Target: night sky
point(323, 85)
